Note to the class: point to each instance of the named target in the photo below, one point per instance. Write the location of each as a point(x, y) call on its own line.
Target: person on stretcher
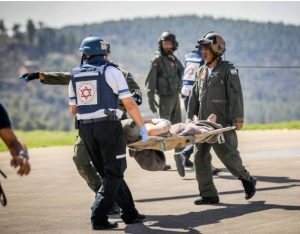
point(163, 127)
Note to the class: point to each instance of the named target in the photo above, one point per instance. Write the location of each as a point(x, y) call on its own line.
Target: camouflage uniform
point(81, 157)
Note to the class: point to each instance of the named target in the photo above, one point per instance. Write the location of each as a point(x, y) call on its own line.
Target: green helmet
point(94, 46)
point(214, 41)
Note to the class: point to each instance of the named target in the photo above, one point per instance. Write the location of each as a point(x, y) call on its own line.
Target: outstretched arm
point(51, 78)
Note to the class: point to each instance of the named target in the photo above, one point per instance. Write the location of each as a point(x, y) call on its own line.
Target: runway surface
point(55, 199)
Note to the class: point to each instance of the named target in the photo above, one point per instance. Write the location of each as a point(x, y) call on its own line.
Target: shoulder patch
point(234, 71)
point(155, 61)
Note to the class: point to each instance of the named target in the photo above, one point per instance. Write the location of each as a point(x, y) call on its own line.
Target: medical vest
point(90, 87)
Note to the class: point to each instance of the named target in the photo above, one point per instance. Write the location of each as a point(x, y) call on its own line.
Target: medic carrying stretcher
point(163, 137)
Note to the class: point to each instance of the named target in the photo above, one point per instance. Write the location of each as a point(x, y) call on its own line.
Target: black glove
point(137, 96)
point(30, 76)
point(137, 99)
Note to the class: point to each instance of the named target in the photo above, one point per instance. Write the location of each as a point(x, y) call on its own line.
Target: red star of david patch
point(85, 93)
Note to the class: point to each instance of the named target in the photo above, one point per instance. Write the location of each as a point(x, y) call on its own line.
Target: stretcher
point(174, 141)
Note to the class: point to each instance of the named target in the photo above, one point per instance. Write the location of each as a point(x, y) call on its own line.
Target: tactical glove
point(30, 76)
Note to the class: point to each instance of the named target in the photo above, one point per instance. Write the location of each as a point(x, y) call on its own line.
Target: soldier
point(164, 79)
point(217, 90)
point(193, 61)
point(81, 157)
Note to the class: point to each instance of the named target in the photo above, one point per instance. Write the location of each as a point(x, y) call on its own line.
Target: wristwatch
point(24, 153)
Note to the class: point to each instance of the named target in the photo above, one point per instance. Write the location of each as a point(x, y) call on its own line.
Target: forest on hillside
point(270, 94)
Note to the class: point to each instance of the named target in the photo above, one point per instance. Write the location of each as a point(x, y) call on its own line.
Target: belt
point(102, 119)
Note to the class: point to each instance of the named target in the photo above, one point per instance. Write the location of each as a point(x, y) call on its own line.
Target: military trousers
point(107, 149)
point(169, 108)
point(229, 156)
point(84, 166)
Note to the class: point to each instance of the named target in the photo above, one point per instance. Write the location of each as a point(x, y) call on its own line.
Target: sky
point(59, 14)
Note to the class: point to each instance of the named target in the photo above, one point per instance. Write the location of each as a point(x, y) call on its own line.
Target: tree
point(16, 30)
point(31, 31)
point(3, 29)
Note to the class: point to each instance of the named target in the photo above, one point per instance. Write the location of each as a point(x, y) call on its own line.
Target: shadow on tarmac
point(188, 222)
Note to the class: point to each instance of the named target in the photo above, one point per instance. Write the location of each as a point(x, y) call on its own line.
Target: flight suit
point(164, 79)
point(219, 93)
point(80, 156)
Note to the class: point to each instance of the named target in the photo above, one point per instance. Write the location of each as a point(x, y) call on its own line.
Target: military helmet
point(214, 41)
point(168, 36)
point(94, 46)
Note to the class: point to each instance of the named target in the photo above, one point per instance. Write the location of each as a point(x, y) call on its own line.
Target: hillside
point(271, 95)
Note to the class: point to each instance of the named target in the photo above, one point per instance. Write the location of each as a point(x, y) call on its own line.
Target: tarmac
point(55, 199)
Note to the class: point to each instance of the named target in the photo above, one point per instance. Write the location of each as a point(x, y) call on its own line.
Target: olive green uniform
point(219, 93)
point(80, 156)
point(164, 79)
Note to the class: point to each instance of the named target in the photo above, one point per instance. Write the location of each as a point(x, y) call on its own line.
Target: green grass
point(282, 125)
point(40, 138)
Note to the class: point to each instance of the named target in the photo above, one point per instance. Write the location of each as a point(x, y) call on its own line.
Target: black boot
point(207, 200)
point(215, 170)
point(138, 219)
point(104, 226)
point(188, 163)
point(249, 187)
point(166, 168)
point(115, 210)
